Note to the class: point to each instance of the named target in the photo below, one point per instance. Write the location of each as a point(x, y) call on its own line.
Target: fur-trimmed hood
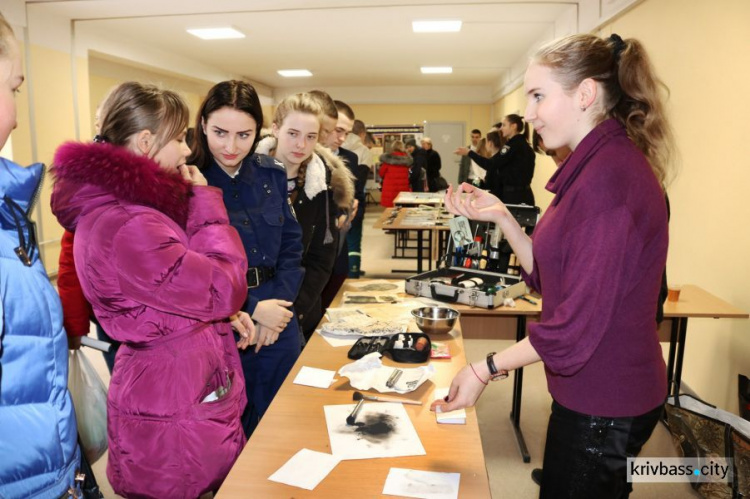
point(341, 179)
point(91, 175)
point(396, 158)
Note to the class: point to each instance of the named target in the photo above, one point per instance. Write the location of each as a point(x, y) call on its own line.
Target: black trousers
point(586, 456)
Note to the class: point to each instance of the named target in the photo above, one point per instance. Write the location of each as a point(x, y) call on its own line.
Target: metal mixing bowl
point(435, 320)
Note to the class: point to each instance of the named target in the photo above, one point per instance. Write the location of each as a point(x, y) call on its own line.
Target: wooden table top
point(416, 198)
point(399, 224)
point(697, 302)
point(296, 420)
point(694, 302)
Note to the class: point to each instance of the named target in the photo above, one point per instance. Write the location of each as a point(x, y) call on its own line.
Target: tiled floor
point(509, 475)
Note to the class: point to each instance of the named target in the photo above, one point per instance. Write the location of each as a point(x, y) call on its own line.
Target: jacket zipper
point(37, 192)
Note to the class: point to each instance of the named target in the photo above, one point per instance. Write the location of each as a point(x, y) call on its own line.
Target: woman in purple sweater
point(597, 256)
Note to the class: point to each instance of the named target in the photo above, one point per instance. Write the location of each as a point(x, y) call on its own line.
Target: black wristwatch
point(494, 373)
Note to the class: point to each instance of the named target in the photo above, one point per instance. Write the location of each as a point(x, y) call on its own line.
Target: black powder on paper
point(376, 428)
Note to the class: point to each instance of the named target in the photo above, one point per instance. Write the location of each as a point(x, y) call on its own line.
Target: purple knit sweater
point(599, 253)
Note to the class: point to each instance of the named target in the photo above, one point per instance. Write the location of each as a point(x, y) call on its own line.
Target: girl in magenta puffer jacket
point(162, 269)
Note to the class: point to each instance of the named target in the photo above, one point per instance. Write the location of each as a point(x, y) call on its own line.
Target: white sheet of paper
point(338, 341)
point(312, 376)
point(383, 429)
point(453, 417)
point(423, 484)
point(306, 469)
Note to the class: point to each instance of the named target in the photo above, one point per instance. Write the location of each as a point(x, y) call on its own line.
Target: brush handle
point(399, 401)
point(351, 419)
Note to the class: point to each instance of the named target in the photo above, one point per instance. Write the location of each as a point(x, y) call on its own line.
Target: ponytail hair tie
point(618, 45)
point(100, 139)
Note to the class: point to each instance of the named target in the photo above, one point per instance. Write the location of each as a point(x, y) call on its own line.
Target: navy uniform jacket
point(509, 172)
point(258, 207)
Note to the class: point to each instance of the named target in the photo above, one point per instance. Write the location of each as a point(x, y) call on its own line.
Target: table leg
point(515, 414)
point(672, 347)
point(420, 251)
point(680, 356)
point(429, 250)
point(420, 248)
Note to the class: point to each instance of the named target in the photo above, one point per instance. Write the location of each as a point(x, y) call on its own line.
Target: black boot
point(536, 475)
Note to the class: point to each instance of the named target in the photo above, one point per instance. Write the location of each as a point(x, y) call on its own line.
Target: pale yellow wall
point(101, 85)
point(699, 50)
point(475, 116)
point(54, 119)
point(21, 136)
point(268, 112)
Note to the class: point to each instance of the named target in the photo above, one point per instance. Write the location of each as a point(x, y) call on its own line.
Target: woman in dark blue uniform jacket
point(511, 169)
point(255, 196)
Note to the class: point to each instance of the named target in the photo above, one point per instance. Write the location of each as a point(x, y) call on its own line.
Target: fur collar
point(341, 180)
point(396, 158)
point(88, 174)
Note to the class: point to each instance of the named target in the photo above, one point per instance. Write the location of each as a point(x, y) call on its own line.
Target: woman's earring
point(583, 108)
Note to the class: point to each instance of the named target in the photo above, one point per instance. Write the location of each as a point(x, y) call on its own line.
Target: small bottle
point(494, 253)
point(483, 259)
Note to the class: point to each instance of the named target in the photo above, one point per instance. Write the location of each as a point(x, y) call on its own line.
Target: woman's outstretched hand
point(475, 204)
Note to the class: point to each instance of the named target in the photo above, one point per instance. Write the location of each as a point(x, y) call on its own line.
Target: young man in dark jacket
point(433, 165)
point(418, 170)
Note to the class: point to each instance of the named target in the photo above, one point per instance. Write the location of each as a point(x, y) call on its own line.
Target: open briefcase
point(479, 272)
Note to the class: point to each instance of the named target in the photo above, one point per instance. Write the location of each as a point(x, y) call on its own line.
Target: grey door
point(446, 137)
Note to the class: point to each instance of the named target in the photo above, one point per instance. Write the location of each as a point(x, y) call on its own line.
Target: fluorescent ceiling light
point(437, 26)
point(216, 33)
point(436, 70)
point(294, 73)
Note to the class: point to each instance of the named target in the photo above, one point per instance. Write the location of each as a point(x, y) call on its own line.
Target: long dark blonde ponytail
point(633, 94)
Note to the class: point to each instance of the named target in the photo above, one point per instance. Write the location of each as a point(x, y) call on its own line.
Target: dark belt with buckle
point(258, 275)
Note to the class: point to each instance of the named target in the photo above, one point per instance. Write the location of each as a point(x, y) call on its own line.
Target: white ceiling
point(346, 43)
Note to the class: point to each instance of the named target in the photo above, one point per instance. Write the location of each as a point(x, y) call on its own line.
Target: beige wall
point(698, 50)
point(475, 116)
point(21, 136)
point(101, 84)
point(54, 118)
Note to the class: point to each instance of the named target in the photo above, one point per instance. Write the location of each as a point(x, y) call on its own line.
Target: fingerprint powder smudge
point(376, 428)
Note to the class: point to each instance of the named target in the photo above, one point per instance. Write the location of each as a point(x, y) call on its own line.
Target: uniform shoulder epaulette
point(264, 161)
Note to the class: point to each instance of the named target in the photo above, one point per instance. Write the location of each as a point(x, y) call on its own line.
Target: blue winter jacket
point(38, 437)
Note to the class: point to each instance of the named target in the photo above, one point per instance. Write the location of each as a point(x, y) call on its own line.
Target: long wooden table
point(296, 420)
point(694, 302)
point(401, 226)
point(405, 198)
